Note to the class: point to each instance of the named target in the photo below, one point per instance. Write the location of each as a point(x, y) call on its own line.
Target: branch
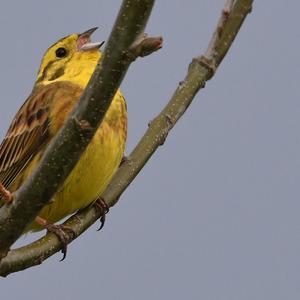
point(66, 148)
point(200, 70)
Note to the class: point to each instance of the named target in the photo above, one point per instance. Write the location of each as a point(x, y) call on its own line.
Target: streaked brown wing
point(26, 134)
point(20, 154)
point(39, 118)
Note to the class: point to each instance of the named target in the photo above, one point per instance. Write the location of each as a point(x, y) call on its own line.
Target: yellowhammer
point(64, 72)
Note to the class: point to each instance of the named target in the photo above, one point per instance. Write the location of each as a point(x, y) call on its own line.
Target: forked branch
point(201, 69)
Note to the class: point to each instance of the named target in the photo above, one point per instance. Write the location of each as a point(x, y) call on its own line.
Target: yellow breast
point(95, 168)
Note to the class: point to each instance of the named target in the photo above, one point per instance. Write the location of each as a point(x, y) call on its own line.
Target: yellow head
point(72, 58)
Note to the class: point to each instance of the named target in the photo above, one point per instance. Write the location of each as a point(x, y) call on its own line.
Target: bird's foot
point(63, 233)
point(103, 208)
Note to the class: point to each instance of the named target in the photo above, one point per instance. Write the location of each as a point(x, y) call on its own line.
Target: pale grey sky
point(215, 213)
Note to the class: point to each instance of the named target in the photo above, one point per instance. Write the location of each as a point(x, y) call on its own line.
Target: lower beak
point(91, 46)
point(84, 41)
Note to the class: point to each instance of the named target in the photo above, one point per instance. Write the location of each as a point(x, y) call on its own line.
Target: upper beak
point(84, 40)
point(88, 33)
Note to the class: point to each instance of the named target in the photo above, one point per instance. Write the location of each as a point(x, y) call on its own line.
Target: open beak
point(84, 41)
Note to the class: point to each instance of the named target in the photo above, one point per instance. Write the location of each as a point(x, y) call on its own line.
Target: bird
point(64, 72)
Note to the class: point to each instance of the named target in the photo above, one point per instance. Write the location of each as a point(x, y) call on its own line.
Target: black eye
point(61, 52)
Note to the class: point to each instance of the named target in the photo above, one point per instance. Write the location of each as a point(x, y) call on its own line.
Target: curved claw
point(63, 233)
point(102, 221)
point(103, 208)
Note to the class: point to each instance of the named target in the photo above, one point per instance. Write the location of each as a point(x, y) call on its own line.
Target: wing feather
point(31, 128)
point(25, 135)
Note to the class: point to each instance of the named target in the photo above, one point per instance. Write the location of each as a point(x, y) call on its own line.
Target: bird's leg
point(103, 208)
point(62, 232)
point(6, 194)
